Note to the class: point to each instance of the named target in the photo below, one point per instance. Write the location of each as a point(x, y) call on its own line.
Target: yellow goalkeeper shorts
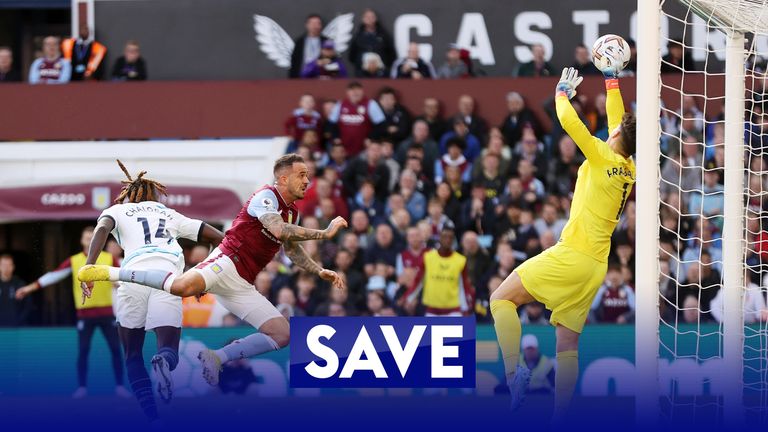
point(566, 281)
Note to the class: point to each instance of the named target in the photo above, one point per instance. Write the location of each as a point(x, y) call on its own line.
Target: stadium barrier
point(41, 361)
point(236, 109)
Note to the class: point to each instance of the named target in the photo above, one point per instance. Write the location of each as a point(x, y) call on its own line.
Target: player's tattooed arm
point(299, 256)
point(290, 232)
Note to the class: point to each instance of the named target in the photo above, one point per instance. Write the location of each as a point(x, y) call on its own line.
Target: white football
point(611, 52)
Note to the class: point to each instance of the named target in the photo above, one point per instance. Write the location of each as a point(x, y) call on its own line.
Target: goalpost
point(701, 336)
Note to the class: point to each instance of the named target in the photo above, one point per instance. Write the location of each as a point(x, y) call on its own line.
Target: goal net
point(707, 313)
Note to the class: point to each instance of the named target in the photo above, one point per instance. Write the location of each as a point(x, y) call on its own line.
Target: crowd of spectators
point(503, 191)
point(74, 59)
point(371, 54)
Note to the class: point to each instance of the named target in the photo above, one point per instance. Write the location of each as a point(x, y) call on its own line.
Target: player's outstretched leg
point(273, 335)
point(188, 284)
point(567, 371)
point(504, 303)
point(97, 272)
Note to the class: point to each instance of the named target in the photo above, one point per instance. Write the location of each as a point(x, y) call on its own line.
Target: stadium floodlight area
point(702, 184)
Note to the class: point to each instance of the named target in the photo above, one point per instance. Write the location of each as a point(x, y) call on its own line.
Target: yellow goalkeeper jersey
point(604, 181)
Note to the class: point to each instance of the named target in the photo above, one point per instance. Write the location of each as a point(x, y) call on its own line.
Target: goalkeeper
point(566, 276)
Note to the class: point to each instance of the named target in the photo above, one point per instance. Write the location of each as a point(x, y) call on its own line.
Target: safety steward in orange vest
point(85, 55)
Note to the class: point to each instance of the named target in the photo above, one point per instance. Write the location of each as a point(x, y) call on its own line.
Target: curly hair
point(138, 189)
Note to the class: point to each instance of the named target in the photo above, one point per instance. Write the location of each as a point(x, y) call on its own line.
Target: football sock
point(508, 332)
point(152, 278)
point(565, 380)
point(170, 356)
point(141, 386)
point(248, 346)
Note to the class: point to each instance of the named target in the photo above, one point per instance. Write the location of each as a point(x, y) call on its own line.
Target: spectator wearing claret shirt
point(7, 72)
point(304, 118)
point(130, 66)
point(327, 66)
point(538, 66)
point(355, 118)
point(531, 185)
point(519, 116)
point(615, 300)
point(412, 66)
point(371, 38)
point(436, 219)
point(411, 258)
point(52, 68)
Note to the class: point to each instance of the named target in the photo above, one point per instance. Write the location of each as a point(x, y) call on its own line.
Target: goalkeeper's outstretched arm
point(572, 124)
point(614, 104)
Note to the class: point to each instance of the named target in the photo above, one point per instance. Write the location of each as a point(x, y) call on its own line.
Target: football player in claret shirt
point(566, 276)
point(268, 221)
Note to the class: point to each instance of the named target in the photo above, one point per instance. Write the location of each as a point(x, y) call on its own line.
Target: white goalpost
point(702, 245)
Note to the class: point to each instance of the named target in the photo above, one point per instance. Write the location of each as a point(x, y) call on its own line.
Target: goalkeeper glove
point(569, 80)
point(613, 66)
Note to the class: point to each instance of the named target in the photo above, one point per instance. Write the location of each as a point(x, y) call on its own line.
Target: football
point(611, 52)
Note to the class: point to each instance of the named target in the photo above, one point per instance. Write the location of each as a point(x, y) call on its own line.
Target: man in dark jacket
point(13, 313)
point(307, 46)
point(371, 37)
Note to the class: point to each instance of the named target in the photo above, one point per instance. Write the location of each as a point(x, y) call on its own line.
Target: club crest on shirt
point(216, 268)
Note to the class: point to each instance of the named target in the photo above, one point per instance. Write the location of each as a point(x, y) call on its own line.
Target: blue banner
point(391, 352)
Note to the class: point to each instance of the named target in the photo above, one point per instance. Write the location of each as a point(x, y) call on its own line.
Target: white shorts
point(139, 306)
point(233, 292)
